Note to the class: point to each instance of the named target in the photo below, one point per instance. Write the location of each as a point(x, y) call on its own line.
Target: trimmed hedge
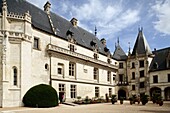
point(41, 96)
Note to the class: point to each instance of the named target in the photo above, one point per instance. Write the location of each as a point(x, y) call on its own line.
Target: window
point(108, 61)
point(60, 69)
point(46, 66)
point(133, 75)
point(155, 65)
point(15, 76)
point(108, 76)
point(120, 65)
point(168, 63)
point(73, 91)
point(141, 63)
point(61, 87)
point(95, 73)
point(36, 43)
point(71, 69)
point(168, 77)
point(142, 85)
point(120, 77)
point(155, 79)
point(133, 65)
point(71, 47)
point(96, 91)
point(95, 56)
point(133, 87)
point(114, 77)
point(142, 73)
point(110, 92)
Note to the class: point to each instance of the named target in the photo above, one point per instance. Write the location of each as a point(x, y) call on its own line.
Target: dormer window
point(71, 47)
point(106, 49)
point(74, 22)
point(155, 65)
point(95, 56)
point(92, 43)
point(109, 60)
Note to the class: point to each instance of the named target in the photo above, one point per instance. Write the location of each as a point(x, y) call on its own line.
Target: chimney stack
point(74, 22)
point(47, 7)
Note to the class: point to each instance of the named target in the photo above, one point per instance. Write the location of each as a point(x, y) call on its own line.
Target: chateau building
point(40, 47)
point(143, 71)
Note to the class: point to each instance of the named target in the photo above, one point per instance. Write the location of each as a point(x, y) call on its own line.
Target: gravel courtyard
point(95, 108)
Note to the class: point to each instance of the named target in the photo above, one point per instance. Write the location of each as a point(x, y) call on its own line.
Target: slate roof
point(141, 45)
point(40, 21)
point(159, 62)
point(119, 54)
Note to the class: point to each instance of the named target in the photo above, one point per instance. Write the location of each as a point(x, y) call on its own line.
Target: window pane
point(141, 63)
point(73, 91)
point(72, 69)
point(168, 77)
point(142, 73)
point(133, 65)
point(15, 76)
point(120, 65)
point(155, 79)
point(36, 41)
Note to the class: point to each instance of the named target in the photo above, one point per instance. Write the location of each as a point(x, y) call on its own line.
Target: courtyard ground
point(95, 108)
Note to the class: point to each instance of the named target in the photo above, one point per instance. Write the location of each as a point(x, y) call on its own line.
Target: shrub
point(144, 99)
point(41, 96)
point(114, 99)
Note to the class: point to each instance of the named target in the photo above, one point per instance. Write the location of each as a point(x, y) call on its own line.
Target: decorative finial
point(118, 40)
point(129, 47)
point(95, 31)
point(140, 28)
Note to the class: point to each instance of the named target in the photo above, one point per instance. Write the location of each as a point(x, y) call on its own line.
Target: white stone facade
point(30, 57)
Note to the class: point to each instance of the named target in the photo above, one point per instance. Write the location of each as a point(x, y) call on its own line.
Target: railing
point(54, 48)
point(122, 83)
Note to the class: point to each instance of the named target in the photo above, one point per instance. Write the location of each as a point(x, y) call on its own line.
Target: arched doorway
point(121, 93)
point(167, 93)
point(155, 90)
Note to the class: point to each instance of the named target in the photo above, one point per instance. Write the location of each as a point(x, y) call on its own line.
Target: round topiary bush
point(41, 96)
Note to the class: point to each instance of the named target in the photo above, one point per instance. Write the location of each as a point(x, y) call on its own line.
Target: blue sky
point(118, 18)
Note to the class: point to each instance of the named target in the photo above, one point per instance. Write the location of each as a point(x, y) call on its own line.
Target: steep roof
point(159, 62)
point(141, 45)
point(119, 54)
point(41, 21)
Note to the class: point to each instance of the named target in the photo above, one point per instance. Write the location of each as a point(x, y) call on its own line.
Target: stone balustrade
point(55, 48)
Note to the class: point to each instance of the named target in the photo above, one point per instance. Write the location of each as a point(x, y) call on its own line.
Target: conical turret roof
point(141, 45)
point(119, 54)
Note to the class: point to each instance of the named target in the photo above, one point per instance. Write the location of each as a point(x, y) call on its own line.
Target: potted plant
point(114, 99)
point(144, 99)
point(155, 98)
point(159, 100)
point(121, 100)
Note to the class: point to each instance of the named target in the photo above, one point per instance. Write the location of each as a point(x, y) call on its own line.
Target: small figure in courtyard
point(107, 98)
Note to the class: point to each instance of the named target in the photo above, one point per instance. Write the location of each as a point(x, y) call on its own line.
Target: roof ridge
point(162, 49)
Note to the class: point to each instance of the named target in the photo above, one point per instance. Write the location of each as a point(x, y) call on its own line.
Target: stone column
point(163, 94)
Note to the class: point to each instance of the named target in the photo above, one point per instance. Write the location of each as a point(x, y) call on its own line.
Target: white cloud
point(109, 19)
point(162, 11)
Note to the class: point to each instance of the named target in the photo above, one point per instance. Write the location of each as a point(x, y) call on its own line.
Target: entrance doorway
point(167, 93)
point(121, 93)
point(61, 97)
